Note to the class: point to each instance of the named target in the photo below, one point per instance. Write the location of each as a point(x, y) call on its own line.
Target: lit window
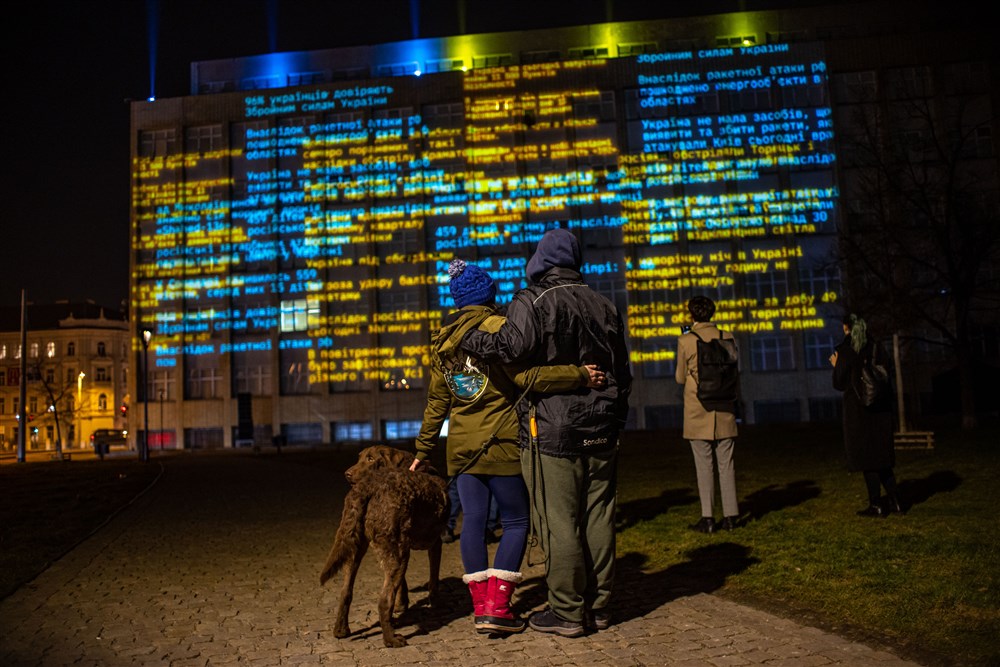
point(33, 350)
point(3, 351)
point(102, 402)
point(50, 350)
point(299, 314)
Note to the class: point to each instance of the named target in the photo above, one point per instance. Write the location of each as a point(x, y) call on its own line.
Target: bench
point(914, 439)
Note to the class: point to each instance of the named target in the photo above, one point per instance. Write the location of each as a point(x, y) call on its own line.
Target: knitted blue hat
point(470, 285)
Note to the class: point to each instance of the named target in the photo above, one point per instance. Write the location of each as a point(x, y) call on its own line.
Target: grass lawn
point(925, 583)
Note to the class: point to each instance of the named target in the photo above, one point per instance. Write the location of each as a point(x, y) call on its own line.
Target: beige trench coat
point(699, 423)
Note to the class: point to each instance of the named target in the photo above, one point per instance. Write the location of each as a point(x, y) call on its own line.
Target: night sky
point(77, 64)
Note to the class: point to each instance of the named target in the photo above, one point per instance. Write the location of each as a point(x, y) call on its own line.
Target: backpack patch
point(718, 373)
point(464, 379)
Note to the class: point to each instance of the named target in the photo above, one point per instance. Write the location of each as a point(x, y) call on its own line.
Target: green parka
point(472, 423)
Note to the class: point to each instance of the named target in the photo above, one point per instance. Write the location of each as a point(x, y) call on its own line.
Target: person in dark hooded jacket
point(478, 400)
point(569, 441)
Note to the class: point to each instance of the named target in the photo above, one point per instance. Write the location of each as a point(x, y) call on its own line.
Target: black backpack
point(875, 386)
point(718, 373)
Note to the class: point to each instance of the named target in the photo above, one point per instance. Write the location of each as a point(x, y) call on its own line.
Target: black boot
point(873, 511)
point(896, 505)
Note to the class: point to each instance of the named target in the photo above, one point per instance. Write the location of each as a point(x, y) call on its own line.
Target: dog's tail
point(349, 535)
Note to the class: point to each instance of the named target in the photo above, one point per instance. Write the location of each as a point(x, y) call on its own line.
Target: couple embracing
point(535, 402)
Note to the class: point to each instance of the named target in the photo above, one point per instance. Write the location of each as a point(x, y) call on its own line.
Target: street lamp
point(144, 450)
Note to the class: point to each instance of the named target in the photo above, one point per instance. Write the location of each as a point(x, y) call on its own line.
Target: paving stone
point(217, 565)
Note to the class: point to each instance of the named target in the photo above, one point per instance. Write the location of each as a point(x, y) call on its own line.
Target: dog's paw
point(394, 642)
point(341, 631)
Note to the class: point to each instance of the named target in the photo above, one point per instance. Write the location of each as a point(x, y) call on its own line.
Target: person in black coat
point(868, 430)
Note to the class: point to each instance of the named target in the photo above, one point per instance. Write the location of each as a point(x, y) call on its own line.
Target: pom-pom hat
point(470, 285)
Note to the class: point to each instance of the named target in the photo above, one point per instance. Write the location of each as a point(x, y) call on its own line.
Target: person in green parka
point(483, 455)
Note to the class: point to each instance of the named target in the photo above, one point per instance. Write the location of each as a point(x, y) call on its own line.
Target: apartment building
point(75, 374)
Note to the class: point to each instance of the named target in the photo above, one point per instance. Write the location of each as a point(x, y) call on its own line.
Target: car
point(103, 439)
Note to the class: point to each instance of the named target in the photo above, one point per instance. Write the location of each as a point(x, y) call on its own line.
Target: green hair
point(858, 331)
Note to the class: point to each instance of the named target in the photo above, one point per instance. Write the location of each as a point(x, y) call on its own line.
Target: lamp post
point(144, 448)
point(79, 407)
point(161, 420)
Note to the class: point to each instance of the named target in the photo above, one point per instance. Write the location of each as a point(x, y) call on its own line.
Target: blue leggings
point(512, 497)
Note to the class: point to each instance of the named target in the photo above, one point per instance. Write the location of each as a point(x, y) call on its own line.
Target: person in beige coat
point(712, 433)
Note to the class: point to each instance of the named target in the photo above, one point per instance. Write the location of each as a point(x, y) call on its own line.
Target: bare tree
point(920, 245)
point(58, 392)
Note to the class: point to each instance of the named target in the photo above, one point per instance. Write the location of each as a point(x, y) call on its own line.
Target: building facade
point(76, 375)
point(293, 217)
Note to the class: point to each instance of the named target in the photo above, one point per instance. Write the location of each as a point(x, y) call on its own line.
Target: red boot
point(497, 615)
point(478, 586)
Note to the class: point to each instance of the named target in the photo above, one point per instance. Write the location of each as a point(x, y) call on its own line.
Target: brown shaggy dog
point(394, 510)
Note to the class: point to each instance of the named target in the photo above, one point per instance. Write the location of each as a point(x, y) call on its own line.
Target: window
point(493, 60)
point(299, 314)
point(203, 383)
point(203, 139)
point(3, 351)
point(33, 405)
point(352, 431)
point(3, 405)
point(589, 52)
point(818, 348)
point(101, 374)
point(302, 433)
point(445, 65)
point(406, 429)
point(33, 350)
point(398, 69)
point(50, 376)
point(101, 350)
point(763, 286)
point(771, 353)
point(158, 143)
point(736, 40)
point(625, 50)
point(70, 349)
point(50, 349)
point(102, 402)
point(855, 86)
point(3, 378)
point(306, 78)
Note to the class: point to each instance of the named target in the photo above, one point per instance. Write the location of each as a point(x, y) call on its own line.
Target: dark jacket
point(560, 320)
point(472, 422)
point(867, 430)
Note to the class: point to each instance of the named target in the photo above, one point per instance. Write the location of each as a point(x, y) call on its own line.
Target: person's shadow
point(638, 592)
point(773, 497)
point(916, 491)
point(646, 509)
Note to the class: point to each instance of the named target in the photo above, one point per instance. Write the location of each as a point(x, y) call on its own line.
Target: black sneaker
point(706, 524)
point(598, 619)
point(549, 621)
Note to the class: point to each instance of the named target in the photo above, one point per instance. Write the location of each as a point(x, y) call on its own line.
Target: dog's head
point(375, 457)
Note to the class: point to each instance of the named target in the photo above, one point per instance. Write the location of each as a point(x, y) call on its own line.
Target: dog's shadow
point(421, 617)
